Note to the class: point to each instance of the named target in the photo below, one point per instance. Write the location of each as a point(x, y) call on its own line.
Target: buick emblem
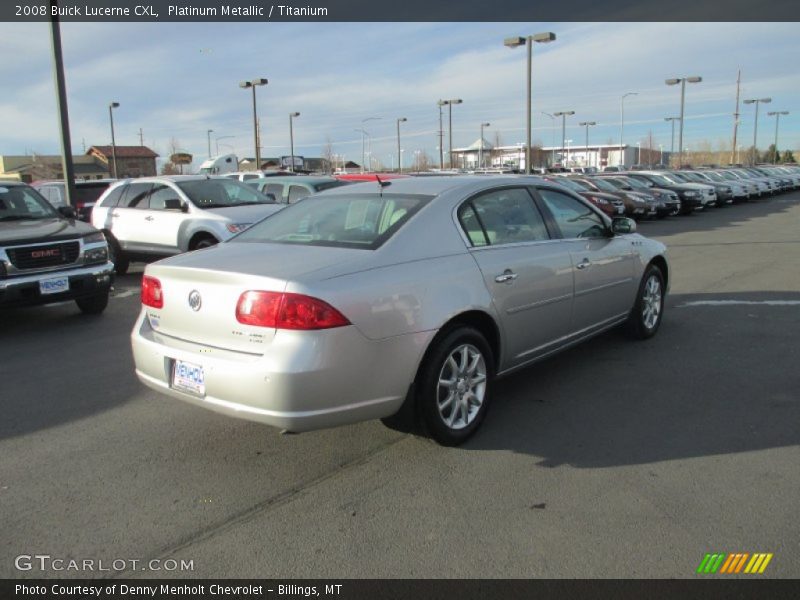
point(194, 300)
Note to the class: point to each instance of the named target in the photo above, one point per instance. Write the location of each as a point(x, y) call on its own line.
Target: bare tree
point(423, 161)
point(328, 155)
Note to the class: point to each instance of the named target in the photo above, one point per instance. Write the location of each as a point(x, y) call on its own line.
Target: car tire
point(93, 305)
point(648, 311)
point(116, 255)
point(204, 242)
point(454, 385)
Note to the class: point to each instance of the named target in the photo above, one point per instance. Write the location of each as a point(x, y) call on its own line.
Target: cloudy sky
point(176, 81)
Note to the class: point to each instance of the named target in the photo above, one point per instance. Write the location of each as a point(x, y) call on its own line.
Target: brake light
point(287, 311)
point(152, 295)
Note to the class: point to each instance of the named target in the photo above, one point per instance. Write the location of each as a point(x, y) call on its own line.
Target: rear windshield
point(330, 184)
point(342, 221)
point(221, 193)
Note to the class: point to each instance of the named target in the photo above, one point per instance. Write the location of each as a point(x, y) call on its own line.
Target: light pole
point(399, 151)
point(563, 114)
point(672, 143)
point(777, 114)
point(682, 81)
point(552, 137)
point(587, 124)
point(514, 42)
point(111, 108)
point(661, 150)
point(622, 125)
point(208, 133)
point(449, 104)
point(291, 140)
point(638, 153)
point(756, 101)
point(568, 142)
point(480, 147)
point(253, 84)
point(363, 133)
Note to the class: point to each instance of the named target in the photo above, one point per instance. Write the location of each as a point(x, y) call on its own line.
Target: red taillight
point(287, 311)
point(151, 292)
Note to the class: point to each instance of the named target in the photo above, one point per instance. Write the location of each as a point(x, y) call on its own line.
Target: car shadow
point(717, 379)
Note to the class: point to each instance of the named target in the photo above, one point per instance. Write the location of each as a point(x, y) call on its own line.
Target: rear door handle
point(584, 264)
point(148, 218)
point(507, 277)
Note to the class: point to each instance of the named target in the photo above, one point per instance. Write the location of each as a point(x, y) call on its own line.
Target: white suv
point(154, 217)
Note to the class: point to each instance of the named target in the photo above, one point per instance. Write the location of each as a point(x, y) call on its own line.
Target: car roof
point(298, 179)
point(437, 184)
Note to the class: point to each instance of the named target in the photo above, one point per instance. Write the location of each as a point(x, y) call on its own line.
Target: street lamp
point(638, 153)
point(291, 140)
point(622, 125)
point(514, 42)
point(587, 124)
point(449, 105)
point(563, 114)
point(208, 133)
point(365, 133)
point(552, 138)
point(399, 151)
point(672, 143)
point(480, 147)
point(253, 84)
point(661, 150)
point(756, 101)
point(111, 107)
point(682, 81)
point(777, 114)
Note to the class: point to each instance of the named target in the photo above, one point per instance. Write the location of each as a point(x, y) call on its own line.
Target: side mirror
point(623, 225)
point(67, 212)
point(173, 204)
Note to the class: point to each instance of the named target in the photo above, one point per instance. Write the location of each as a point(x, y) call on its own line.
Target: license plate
point(54, 286)
point(620, 210)
point(188, 377)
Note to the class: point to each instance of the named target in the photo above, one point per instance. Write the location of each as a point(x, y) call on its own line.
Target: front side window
point(573, 217)
point(159, 196)
point(506, 216)
point(363, 221)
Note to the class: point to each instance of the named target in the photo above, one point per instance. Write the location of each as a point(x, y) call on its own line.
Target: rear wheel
point(93, 305)
point(454, 385)
point(205, 241)
point(648, 311)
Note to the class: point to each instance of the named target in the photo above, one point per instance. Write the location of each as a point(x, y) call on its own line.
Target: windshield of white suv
point(221, 193)
point(18, 203)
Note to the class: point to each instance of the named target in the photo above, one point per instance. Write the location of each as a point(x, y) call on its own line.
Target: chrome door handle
point(148, 218)
point(507, 277)
point(584, 264)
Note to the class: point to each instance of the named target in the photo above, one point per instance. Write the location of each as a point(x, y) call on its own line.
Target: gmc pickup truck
point(48, 256)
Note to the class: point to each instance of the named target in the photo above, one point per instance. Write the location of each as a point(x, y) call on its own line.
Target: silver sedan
point(400, 300)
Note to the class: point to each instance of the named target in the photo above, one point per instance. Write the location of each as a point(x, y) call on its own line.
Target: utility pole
point(440, 104)
point(141, 137)
point(736, 117)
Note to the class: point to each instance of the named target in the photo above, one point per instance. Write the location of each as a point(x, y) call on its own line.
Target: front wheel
point(648, 311)
point(93, 305)
point(204, 242)
point(454, 385)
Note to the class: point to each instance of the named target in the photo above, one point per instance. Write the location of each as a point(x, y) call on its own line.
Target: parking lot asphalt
point(613, 459)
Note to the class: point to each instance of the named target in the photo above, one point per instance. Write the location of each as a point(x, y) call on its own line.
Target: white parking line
point(740, 302)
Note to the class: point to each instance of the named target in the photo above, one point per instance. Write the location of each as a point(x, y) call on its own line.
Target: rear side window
point(136, 195)
point(276, 189)
point(297, 192)
point(112, 199)
point(505, 216)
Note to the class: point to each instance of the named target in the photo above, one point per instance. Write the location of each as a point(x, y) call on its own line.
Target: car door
point(528, 274)
point(602, 263)
point(160, 223)
point(127, 218)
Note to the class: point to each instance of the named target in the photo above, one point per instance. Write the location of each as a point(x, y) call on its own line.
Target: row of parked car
point(441, 284)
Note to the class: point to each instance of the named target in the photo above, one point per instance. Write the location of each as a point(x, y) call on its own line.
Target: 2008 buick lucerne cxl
point(394, 298)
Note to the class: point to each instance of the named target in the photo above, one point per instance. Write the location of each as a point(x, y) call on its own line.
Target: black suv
point(87, 194)
point(47, 256)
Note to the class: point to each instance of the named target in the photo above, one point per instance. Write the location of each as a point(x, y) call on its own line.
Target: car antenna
point(382, 184)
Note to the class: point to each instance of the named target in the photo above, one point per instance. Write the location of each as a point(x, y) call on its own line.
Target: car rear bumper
point(303, 381)
point(83, 282)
